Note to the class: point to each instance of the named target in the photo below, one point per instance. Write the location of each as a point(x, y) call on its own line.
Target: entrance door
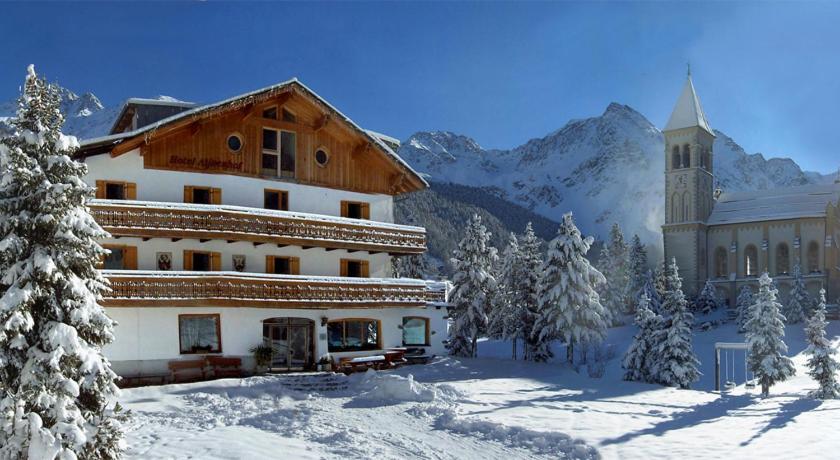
point(291, 341)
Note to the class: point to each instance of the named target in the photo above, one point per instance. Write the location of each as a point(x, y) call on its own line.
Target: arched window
point(675, 207)
point(675, 158)
point(686, 157)
point(813, 257)
point(782, 259)
point(750, 261)
point(686, 207)
point(721, 263)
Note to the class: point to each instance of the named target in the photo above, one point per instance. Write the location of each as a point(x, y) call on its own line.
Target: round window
point(321, 157)
point(234, 143)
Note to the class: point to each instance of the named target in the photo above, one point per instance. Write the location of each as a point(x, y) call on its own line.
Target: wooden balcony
point(233, 289)
point(233, 223)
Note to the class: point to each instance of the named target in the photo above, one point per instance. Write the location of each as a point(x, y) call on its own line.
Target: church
point(731, 238)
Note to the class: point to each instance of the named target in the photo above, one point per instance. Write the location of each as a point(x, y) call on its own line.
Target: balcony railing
point(234, 289)
point(233, 223)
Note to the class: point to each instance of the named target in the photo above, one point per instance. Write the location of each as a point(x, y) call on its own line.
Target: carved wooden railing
point(231, 289)
point(174, 220)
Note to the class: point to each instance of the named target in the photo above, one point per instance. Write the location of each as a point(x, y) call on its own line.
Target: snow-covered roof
point(688, 112)
point(164, 100)
point(775, 204)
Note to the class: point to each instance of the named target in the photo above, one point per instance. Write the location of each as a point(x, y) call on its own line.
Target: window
point(113, 190)
point(269, 139)
point(289, 116)
point(269, 164)
point(270, 113)
point(721, 263)
point(288, 145)
point(675, 158)
point(322, 157)
point(202, 195)
point(200, 333)
point(415, 331)
point(750, 261)
point(282, 265)
point(202, 261)
point(353, 335)
point(686, 157)
point(355, 210)
point(282, 144)
point(686, 200)
point(234, 143)
point(675, 207)
point(276, 199)
point(782, 259)
point(355, 268)
point(813, 257)
point(120, 258)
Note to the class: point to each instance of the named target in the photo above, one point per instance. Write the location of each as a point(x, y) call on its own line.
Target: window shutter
point(216, 196)
point(188, 194)
point(344, 210)
point(216, 261)
point(343, 267)
point(284, 201)
point(100, 189)
point(365, 269)
point(294, 265)
point(269, 264)
point(366, 211)
point(130, 258)
point(130, 191)
point(188, 256)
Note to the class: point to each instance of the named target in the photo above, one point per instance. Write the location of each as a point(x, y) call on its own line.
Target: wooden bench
point(395, 357)
point(222, 367)
point(187, 370)
point(361, 363)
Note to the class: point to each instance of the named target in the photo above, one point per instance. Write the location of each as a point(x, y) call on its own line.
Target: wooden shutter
point(269, 264)
point(365, 268)
point(366, 211)
point(294, 265)
point(130, 191)
point(100, 189)
point(216, 261)
point(130, 257)
point(216, 196)
point(343, 267)
point(188, 256)
point(344, 209)
point(188, 194)
point(284, 201)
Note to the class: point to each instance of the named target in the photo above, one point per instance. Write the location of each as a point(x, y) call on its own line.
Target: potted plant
point(262, 357)
point(325, 363)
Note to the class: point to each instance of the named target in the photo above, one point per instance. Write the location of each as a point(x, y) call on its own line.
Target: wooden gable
point(199, 143)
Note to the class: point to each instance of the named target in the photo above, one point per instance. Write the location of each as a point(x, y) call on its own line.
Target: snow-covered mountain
point(605, 169)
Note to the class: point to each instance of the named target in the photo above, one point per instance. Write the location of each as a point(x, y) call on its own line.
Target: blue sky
point(767, 73)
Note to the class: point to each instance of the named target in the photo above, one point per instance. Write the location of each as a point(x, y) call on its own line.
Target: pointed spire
point(688, 112)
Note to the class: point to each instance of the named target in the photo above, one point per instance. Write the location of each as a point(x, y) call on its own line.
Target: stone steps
point(321, 382)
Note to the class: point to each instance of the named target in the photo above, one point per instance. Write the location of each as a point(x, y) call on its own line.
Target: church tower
point(689, 188)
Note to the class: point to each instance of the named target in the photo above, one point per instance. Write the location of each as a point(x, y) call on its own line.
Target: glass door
point(298, 347)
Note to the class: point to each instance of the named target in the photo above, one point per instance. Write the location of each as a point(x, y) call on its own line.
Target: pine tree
point(55, 384)
point(649, 290)
point(636, 360)
point(765, 338)
point(744, 303)
point(528, 290)
point(473, 289)
point(707, 301)
point(413, 266)
point(661, 279)
point(614, 264)
point(569, 307)
point(799, 302)
point(638, 266)
point(505, 314)
point(676, 364)
point(822, 365)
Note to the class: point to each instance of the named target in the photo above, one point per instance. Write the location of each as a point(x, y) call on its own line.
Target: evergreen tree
point(528, 290)
point(799, 302)
point(473, 290)
point(822, 365)
point(676, 364)
point(569, 307)
point(661, 279)
point(638, 265)
point(505, 315)
point(649, 290)
point(744, 303)
point(765, 338)
point(707, 301)
point(55, 384)
point(636, 360)
point(413, 266)
point(614, 265)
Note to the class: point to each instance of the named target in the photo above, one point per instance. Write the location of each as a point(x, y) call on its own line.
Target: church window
point(721, 263)
point(782, 259)
point(751, 261)
point(675, 158)
point(813, 257)
point(674, 208)
point(686, 157)
point(686, 205)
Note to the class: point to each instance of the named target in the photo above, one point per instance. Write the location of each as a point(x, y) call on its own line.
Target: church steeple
point(688, 112)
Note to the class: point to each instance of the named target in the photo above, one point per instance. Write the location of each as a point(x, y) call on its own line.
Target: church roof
point(775, 204)
point(688, 112)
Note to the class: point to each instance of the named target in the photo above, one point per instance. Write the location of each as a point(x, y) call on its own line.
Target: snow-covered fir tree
point(531, 263)
point(613, 263)
point(473, 291)
point(505, 312)
point(660, 279)
point(569, 306)
point(707, 300)
point(676, 364)
point(765, 338)
point(413, 266)
point(743, 304)
point(637, 358)
point(799, 305)
point(56, 387)
point(822, 364)
point(649, 290)
point(638, 266)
